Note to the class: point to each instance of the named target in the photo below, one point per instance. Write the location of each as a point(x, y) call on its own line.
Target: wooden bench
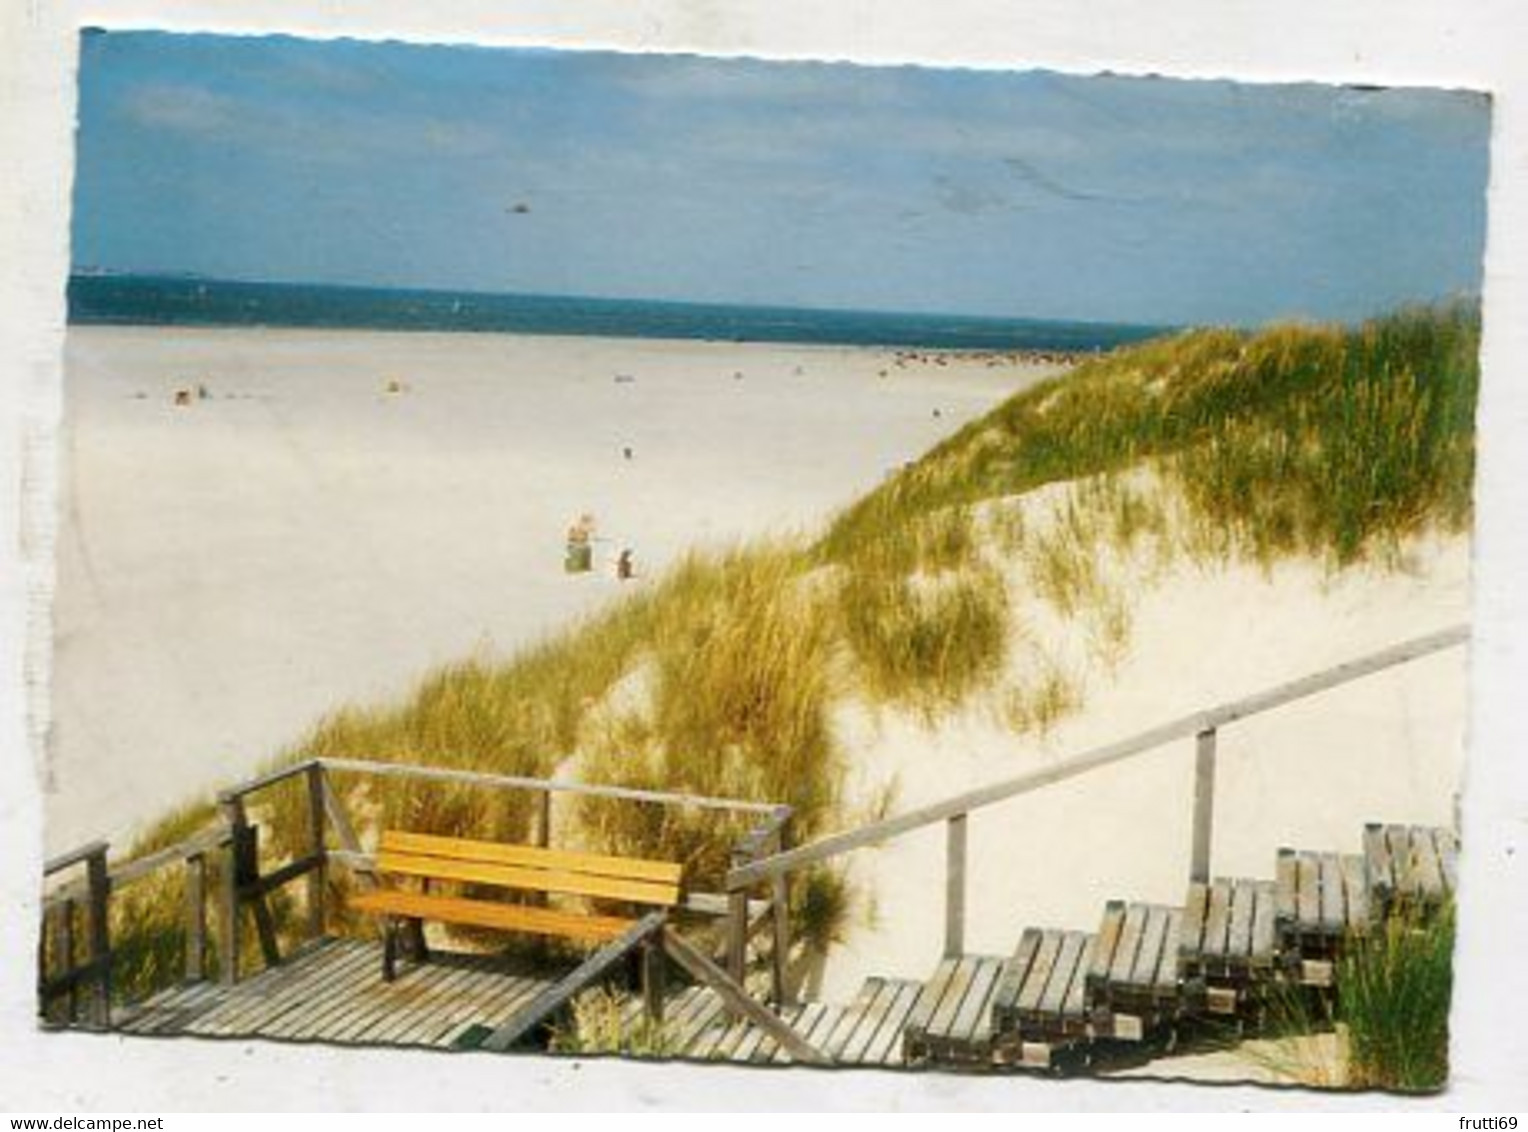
point(410, 866)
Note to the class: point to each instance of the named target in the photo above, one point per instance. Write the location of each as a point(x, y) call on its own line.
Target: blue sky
point(1026, 194)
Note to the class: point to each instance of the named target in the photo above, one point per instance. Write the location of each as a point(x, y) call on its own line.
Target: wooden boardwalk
point(332, 992)
point(1062, 998)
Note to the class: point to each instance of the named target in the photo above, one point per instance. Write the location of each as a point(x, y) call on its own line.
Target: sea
point(162, 300)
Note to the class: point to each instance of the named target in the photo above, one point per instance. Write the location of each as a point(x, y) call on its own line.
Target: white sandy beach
point(230, 570)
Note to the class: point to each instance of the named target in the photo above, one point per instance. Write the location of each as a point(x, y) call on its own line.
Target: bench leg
point(419, 951)
point(390, 950)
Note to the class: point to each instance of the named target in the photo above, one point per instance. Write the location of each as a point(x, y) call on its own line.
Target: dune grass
point(1393, 992)
point(1386, 1025)
point(722, 677)
point(594, 1027)
point(1297, 439)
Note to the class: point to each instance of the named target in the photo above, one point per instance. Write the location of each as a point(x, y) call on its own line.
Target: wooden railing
point(246, 888)
point(1202, 726)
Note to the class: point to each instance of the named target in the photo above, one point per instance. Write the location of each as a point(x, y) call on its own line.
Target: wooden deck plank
point(351, 989)
point(266, 992)
point(1448, 857)
point(753, 1039)
point(888, 1035)
point(1063, 973)
point(1402, 863)
point(1287, 884)
point(397, 1003)
point(445, 1029)
point(708, 1026)
point(1377, 858)
point(683, 1009)
point(1168, 966)
point(805, 1023)
point(1148, 958)
point(853, 1018)
point(1308, 896)
point(685, 1018)
point(1039, 972)
point(1005, 997)
point(1217, 922)
point(821, 1026)
point(843, 1025)
point(252, 1006)
point(731, 1038)
point(1264, 939)
point(480, 988)
point(1333, 902)
point(1075, 1006)
point(1110, 928)
point(1239, 933)
point(973, 1021)
point(1356, 883)
point(933, 994)
point(769, 1045)
point(954, 997)
point(978, 1031)
point(1429, 871)
point(709, 1011)
point(887, 1047)
point(331, 1000)
point(710, 1036)
point(1195, 906)
point(875, 1013)
point(171, 1012)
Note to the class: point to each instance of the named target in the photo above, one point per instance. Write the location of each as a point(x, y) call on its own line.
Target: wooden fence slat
point(196, 917)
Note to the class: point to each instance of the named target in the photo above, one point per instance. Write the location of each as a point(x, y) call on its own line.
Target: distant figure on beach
point(623, 566)
point(626, 452)
point(580, 555)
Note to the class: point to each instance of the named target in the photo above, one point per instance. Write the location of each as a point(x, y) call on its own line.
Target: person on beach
point(623, 566)
point(580, 550)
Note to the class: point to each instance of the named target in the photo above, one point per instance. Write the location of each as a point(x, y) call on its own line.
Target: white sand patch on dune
point(1308, 775)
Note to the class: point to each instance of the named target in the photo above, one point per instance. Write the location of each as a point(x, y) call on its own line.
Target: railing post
point(228, 923)
point(318, 878)
point(737, 925)
point(196, 917)
point(780, 909)
point(99, 889)
point(1204, 806)
point(955, 886)
point(63, 945)
point(654, 977)
point(544, 819)
point(48, 925)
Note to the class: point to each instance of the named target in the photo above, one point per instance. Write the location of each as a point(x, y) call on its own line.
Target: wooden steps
point(1228, 943)
point(951, 1021)
point(1414, 864)
point(1060, 998)
point(1133, 981)
point(1321, 897)
point(1040, 1006)
point(865, 1032)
